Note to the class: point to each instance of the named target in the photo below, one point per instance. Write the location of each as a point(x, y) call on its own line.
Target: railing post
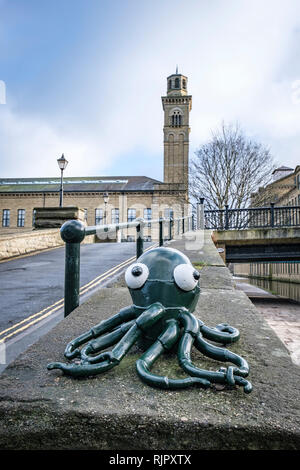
point(140, 237)
point(226, 217)
point(72, 232)
point(170, 228)
point(272, 214)
point(161, 234)
point(200, 214)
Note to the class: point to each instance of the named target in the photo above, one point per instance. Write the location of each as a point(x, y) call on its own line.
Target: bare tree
point(229, 168)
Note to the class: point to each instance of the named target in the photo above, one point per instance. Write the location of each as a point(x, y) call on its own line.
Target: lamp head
point(62, 162)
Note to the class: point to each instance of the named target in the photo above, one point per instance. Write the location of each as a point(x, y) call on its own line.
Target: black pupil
point(196, 275)
point(136, 271)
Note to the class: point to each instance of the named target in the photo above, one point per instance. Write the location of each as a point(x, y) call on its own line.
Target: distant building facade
point(129, 196)
point(283, 191)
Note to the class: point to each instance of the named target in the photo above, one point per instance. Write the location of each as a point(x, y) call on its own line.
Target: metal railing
point(73, 232)
point(252, 217)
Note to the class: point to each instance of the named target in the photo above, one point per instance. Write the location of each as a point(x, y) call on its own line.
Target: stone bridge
point(259, 244)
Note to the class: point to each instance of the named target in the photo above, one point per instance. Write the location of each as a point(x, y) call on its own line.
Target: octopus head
point(163, 275)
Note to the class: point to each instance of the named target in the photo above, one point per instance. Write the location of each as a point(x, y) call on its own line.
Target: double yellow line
point(36, 317)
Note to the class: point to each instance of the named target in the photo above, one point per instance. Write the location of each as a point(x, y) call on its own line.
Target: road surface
point(32, 290)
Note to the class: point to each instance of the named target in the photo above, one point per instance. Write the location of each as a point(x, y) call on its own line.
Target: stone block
point(54, 217)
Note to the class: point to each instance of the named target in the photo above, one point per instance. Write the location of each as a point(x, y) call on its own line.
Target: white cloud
point(29, 147)
point(234, 54)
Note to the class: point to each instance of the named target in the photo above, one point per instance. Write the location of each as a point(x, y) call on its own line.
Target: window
point(33, 217)
point(21, 218)
point(184, 83)
point(176, 82)
point(131, 215)
point(169, 213)
point(98, 216)
point(85, 214)
point(115, 216)
point(5, 217)
point(148, 215)
point(176, 119)
point(169, 84)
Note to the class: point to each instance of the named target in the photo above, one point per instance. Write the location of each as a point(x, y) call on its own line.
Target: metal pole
point(72, 232)
point(161, 236)
point(139, 239)
point(226, 217)
point(72, 277)
point(200, 214)
point(170, 229)
point(272, 214)
point(61, 189)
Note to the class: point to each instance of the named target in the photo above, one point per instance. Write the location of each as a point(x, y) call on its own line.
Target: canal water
point(285, 290)
point(279, 304)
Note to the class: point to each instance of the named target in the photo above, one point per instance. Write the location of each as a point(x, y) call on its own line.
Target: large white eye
point(186, 276)
point(136, 275)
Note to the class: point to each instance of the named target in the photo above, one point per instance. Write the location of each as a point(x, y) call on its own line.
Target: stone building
point(283, 191)
point(129, 196)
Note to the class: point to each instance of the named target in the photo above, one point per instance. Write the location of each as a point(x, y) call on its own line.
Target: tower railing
point(73, 233)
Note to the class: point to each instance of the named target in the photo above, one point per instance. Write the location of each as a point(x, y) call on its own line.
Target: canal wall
point(41, 409)
point(287, 271)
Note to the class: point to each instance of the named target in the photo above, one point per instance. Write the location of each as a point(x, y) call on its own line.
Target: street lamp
point(105, 199)
point(62, 163)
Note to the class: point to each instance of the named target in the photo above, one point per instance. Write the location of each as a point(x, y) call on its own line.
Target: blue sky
point(85, 77)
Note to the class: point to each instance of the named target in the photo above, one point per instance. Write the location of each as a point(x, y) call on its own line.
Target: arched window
point(176, 119)
point(176, 82)
point(169, 84)
point(184, 83)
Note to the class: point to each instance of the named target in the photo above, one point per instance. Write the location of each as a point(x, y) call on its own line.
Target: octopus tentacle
point(79, 370)
point(104, 342)
point(223, 355)
point(184, 356)
point(222, 333)
point(125, 314)
point(164, 343)
point(110, 359)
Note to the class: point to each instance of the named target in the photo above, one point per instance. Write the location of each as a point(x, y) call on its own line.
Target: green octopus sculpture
point(164, 287)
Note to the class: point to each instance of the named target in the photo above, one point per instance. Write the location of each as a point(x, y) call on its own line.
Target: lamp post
point(105, 199)
point(62, 163)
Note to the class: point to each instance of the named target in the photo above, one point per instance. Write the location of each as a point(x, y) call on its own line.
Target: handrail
point(74, 231)
point(252, 217)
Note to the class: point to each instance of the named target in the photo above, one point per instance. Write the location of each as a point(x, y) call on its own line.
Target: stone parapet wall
point(41, 409)
point(20, 244)
point(36, 240)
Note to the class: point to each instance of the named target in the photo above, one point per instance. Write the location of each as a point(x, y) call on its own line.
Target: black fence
point(254, 217)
